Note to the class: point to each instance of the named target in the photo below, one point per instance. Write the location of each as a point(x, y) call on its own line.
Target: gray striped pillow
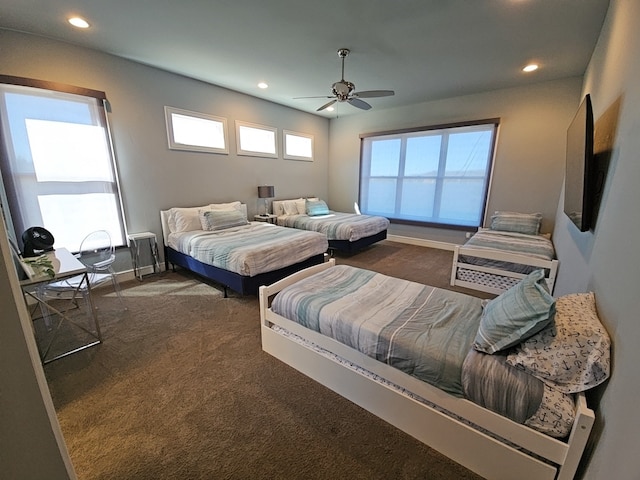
point(220, 219)
point(523, 310)
point(528, 223)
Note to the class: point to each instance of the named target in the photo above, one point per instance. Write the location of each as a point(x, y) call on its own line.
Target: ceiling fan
point(343, 91)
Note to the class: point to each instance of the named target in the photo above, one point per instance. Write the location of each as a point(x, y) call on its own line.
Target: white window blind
point(57, 164)
point(434, 176)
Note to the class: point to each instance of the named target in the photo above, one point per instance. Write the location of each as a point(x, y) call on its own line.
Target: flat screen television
point(578, 182)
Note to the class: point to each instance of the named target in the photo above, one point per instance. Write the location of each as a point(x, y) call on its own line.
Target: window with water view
point(436, 176)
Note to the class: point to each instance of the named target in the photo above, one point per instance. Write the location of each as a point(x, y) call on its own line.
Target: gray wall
point(529, 162)
point(31, 443)
point(152, 177)
point(605, 260)
point(530, 155)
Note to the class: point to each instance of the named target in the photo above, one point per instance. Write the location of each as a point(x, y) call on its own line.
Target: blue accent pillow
point(316, 207)
point(520, 312)
point(220, 219)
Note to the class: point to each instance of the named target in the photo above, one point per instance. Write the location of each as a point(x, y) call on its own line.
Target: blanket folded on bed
point(421, 330)
point(337, 225)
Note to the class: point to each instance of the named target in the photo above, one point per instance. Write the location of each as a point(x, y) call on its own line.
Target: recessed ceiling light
point(79, 22)
point(263, 85)
point(329, 109)
point(532, 67)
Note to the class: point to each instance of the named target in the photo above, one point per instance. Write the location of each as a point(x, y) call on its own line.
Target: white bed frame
point(487, 446)
point(550, 265)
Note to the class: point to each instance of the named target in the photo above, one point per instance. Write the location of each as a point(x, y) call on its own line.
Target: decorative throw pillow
point(220, 219)
point(316, 207)
point(528, 223)
point(523, 310)
point(573, 353)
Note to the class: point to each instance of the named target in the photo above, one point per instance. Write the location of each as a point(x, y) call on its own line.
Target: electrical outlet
point(468, 234)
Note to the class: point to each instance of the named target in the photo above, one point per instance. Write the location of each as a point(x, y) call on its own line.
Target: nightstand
point(269, 218)
point(135, 240)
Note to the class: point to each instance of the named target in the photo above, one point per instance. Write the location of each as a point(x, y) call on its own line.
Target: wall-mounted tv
point(578, 182)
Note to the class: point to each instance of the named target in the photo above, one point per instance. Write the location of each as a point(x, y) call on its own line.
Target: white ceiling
point(423, 49)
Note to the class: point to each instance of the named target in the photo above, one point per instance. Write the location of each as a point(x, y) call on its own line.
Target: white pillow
point(187, 219)
point(184, 219)
point(291, 206)
point(226, 206)
point(573, 353)
point(301, 206)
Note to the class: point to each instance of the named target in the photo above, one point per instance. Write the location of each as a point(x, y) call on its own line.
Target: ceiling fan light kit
point(343, 90)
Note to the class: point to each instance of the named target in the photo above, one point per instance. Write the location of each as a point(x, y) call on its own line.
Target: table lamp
point(264, 193)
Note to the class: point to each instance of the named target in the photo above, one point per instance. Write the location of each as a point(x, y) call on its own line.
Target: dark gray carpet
point(180, 389)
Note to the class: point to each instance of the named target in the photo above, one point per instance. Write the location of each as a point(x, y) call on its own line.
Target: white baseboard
point(422, 242)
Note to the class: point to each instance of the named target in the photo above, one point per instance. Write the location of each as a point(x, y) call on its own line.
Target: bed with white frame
point(272, 258)
point(485, 442)
point(346, 232)
point(496, 258)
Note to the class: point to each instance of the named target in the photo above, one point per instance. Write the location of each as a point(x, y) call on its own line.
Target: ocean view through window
point(435, 176)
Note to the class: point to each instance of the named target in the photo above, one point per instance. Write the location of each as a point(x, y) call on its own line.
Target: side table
point(135, 240)
point(267, 217)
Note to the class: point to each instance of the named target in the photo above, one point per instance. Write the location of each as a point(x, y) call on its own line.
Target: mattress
point(337, 225)
point(250, 249)
point(425, 332)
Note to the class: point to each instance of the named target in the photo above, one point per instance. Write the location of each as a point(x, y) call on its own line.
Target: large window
point(57, 164)
point(434, 176)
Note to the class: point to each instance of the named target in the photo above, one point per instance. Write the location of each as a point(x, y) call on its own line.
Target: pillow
point(301, 206)
point(291, 206)
point(184, 219)
point(316, 207)
point(220, 219)
point(187, 219)
point(528, 223)
point(226, 206)
point(573, 353)
point(523, 310)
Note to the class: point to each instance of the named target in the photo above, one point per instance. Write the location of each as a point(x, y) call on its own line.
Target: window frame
point(256, 153)
point(287, 156)
point(440, 176)
point(173, 145)
point(14, 220)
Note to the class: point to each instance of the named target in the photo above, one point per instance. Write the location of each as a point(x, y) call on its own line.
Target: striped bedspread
point(421, 330)
point(250, 249)
point(535, 246)
point(337, 225)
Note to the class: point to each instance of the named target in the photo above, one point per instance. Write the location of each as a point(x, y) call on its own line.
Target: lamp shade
point(265, 191)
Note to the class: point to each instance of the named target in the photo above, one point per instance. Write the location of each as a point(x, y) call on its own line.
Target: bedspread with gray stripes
point(338, 225)
point(250, 249)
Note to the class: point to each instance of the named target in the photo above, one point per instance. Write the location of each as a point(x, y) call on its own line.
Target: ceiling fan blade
point(373, 93)
point(327, 105)
point(356, 102)
point(319, 96)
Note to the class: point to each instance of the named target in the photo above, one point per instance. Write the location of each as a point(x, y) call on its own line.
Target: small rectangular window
point(437, 176)
point(256, 140)
point(298, 146)
point(196, 132)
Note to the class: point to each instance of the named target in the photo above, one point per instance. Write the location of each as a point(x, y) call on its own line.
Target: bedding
point(337, 225)
point(427, 333)
point(217, 242)
point(495, 260)
point(536, 246)
point(249, 249)
point(480, 428)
